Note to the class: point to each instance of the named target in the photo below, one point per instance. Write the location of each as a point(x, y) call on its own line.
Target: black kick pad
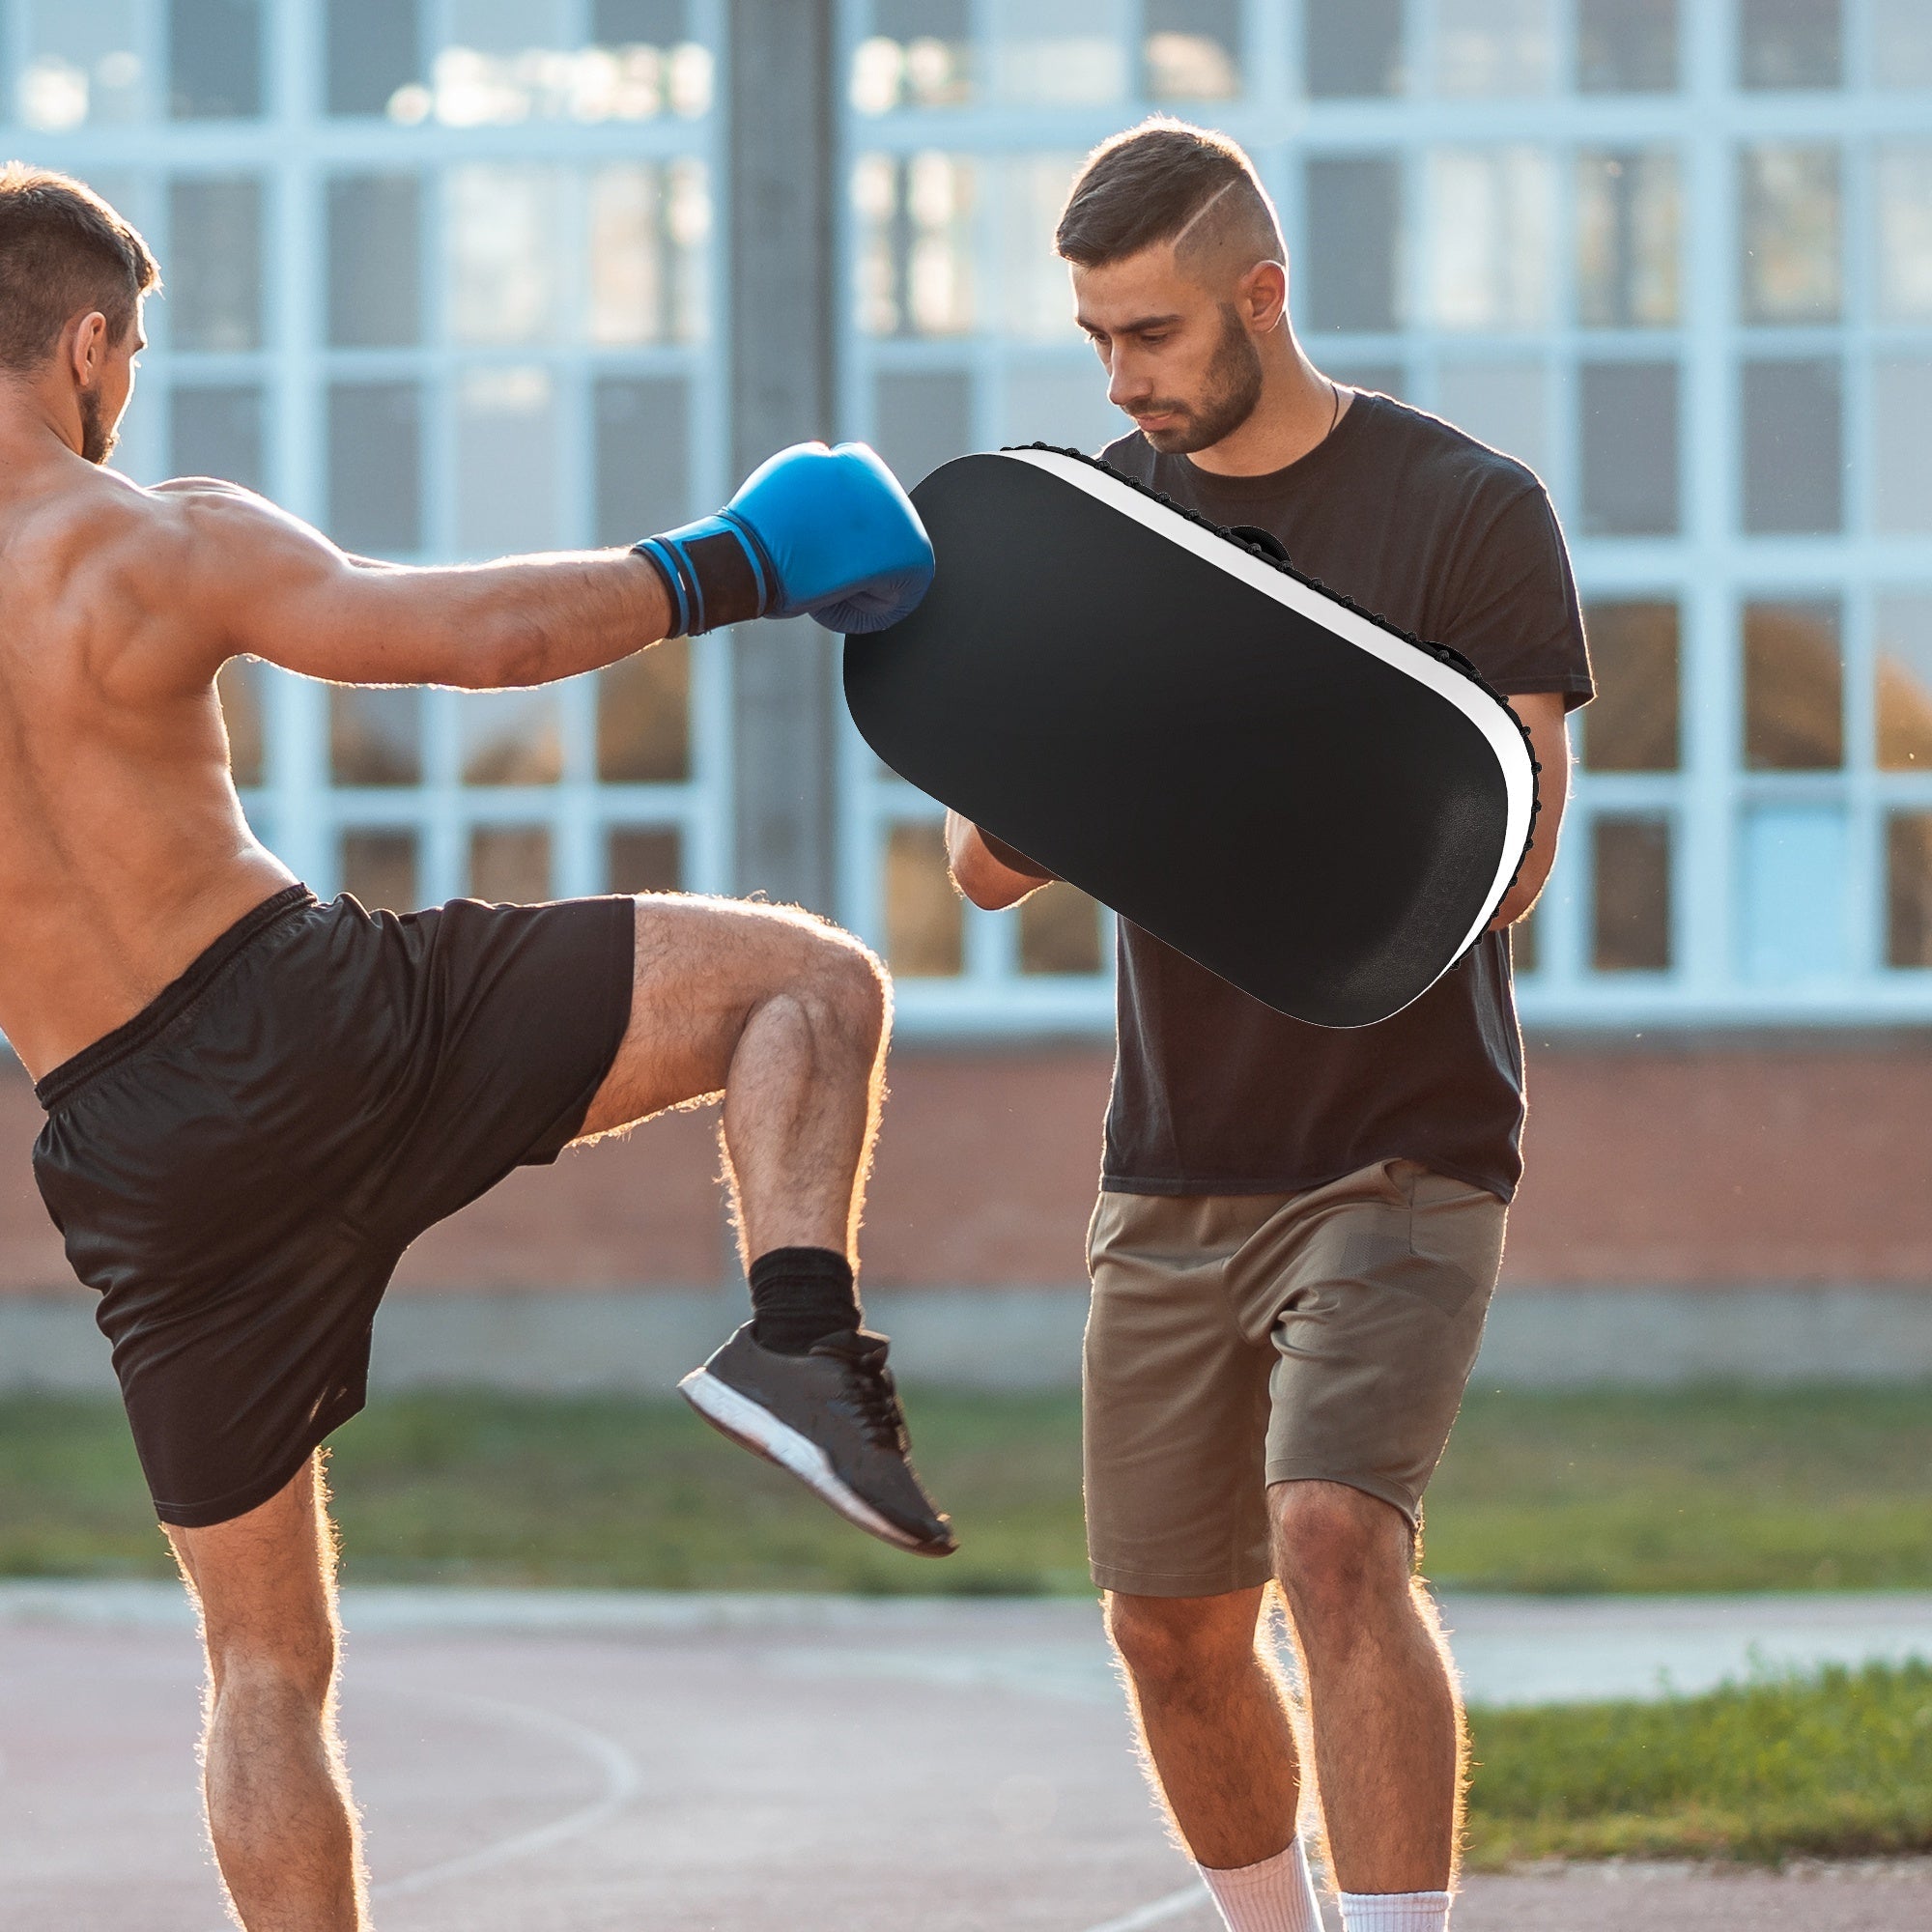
point(1322, 811)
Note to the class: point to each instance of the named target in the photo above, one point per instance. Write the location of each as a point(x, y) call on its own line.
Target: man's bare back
point(123, 847)
point(124, 850)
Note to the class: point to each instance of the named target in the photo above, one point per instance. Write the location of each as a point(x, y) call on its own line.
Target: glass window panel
point(644, 859)
point(216, 430)
point(1901, 43)
point(375, 735)
point(1794, 686)
point(375, 468)
point(1060, 931)
point(508, 26)
point(509, 737)
point(925, 925)
point(215, 264)
point(919, 56)
point(1028, 193)
point(639, 23)
point(1354, 232)
point(379, 869)
point(1503, 404)
point(1352, 49)
point(643, 455)
point(1633, 723)
point(375, 261)
point(375, 50)
point(922, 419)
point(1495, 46)
point(1793, 893)
point(1626, 46)
point(1627, 212)
point(1908, 889)
point(1902, 444)
point(1063, 403)
point(644, 717)
point(1628, 447)
point(1788, 271)
point(1193, 50)
point(507, 62)
point(83, 66)
point(505, 225)
point(1903, 181)
point(650, 225)
point(1903, 669)
point(507, 497)
point(1629, 912)
point(1793, 457)
point(1386, 378)
point(1491, 231)
point(1060, 52)
point(215, 59)
point(1789, 42)
point(914, 258)
point(510, 864)
point(240, 685)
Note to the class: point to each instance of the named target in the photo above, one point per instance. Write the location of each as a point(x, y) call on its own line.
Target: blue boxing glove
point(826, 533)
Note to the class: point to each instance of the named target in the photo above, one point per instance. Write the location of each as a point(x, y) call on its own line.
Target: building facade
point(458, 277)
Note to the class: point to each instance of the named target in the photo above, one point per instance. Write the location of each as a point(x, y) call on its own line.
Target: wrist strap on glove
point(716, 572)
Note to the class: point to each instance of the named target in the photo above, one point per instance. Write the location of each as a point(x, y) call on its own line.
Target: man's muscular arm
point(1543, 713)
point(253, 579)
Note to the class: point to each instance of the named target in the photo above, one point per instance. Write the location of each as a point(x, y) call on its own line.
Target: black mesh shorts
point(238, 1169)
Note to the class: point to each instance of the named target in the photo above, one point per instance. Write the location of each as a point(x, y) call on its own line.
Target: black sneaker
point(833, 1420)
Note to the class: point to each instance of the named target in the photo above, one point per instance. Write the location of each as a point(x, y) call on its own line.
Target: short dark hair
point(1155, 183)
point(63, 252)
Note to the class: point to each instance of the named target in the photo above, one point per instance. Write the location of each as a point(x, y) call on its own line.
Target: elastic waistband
point(170, 1003)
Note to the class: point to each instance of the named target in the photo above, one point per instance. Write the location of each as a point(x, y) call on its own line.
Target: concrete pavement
point(549, 1760)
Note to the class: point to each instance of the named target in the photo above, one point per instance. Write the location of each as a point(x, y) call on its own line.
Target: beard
point(1232, 387)
point(97, 438)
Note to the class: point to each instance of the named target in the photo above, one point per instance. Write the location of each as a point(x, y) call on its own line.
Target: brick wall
point(1801, 1159)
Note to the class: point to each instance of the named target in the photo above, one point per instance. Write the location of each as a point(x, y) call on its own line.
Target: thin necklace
point(1334, 414)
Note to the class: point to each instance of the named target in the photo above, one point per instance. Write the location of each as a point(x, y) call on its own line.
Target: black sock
point(800, 1296)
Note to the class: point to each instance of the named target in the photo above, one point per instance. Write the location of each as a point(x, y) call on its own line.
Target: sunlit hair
point(1168, 180)
point(63, 252)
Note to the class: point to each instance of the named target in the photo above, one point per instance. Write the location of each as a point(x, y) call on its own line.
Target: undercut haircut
point(63, 252)
point(1169, 181)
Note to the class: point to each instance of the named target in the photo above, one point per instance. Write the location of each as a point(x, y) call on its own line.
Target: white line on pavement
point(622, 1782)
point(1156, 1914)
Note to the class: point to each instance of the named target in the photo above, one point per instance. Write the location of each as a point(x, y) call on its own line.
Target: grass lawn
point(1837, 1766)
point(1696, 1490)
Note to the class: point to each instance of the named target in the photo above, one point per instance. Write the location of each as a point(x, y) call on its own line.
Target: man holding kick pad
point(1299, 1230)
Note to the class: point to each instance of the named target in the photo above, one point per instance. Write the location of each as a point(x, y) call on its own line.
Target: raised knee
point(847, 988)
point(1169, 1644)
point(1336, 1547)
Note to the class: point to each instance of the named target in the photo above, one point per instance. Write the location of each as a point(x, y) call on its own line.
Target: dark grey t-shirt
point(1217, 1093)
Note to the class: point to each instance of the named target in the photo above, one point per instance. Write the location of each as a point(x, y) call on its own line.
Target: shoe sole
point(754, 1427)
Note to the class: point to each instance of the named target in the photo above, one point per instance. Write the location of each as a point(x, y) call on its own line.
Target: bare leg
point(1213, 1719)
point(278, 1807)
point(787, 1018)
point(1389, 1744)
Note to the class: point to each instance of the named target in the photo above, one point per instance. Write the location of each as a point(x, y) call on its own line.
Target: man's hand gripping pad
point(1320, 809)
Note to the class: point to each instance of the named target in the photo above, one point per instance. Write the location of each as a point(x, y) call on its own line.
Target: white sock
point(1395, 1911)
point(1276, 1895)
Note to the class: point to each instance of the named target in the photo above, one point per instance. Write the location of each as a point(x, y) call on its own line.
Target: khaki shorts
point(1236, 1340)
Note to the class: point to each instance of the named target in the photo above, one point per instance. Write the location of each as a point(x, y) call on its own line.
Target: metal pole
point(783, 308)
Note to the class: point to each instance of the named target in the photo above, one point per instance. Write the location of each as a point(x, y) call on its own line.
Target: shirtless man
point(256, 1101)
